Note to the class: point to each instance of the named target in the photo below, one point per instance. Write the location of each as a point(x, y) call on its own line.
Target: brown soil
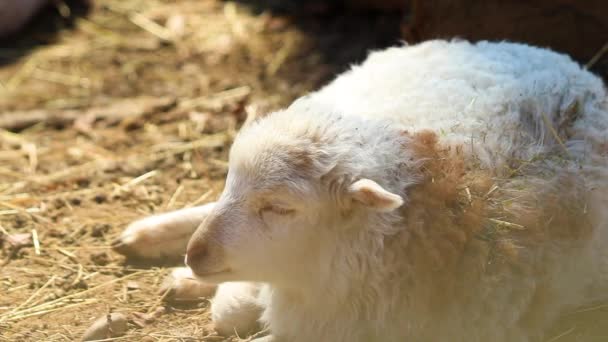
point(130, 111)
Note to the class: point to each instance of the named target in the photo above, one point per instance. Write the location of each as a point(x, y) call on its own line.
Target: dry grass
point(107, 154)
point(129, 113)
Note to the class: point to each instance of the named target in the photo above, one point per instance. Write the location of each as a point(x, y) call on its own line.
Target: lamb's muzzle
point(204, 256)
point(202, 262)
point(193, 255)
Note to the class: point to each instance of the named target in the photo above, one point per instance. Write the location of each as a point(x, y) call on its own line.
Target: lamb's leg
point(236, 309)
point(161, 236)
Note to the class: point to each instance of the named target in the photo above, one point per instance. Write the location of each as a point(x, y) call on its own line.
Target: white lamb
point(445, 191)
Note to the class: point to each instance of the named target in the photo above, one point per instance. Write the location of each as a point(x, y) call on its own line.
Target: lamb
point(444, 191)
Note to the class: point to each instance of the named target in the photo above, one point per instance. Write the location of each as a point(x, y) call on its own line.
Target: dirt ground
point(130, 111)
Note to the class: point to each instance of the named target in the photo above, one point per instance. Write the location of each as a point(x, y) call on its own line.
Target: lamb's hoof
point(180, 286)
point(137, 241)
point(150, 240)
point(133, 249)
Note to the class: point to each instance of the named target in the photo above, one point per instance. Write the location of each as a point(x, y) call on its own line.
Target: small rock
point(83, 182)
point(176, 25)
point(81, 284)
point(56, 294)
point(56, 233)
point(58, 203)
point(20, 221)
point(75, 201)
point(100, 198)
point(109, 326)
point(132, 285)
point(20, 240)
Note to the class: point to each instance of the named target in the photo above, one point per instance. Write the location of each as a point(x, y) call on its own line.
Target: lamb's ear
point(254, 114)
point(373, 196)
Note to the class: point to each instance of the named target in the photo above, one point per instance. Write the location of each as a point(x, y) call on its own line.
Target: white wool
point(235, 309)
point(491, 96)
point(500, 102)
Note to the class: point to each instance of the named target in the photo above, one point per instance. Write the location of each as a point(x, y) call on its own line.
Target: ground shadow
point(42, 29)
point(342, 34)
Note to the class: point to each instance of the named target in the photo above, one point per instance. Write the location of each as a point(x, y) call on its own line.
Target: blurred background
point(111, 110)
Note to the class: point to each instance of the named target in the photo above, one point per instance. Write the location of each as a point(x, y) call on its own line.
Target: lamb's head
point(291, 181)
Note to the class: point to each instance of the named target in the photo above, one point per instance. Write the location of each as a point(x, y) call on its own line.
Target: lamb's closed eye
point(276, 209)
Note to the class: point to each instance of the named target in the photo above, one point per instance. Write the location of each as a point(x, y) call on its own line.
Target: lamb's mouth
point(205, 276)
